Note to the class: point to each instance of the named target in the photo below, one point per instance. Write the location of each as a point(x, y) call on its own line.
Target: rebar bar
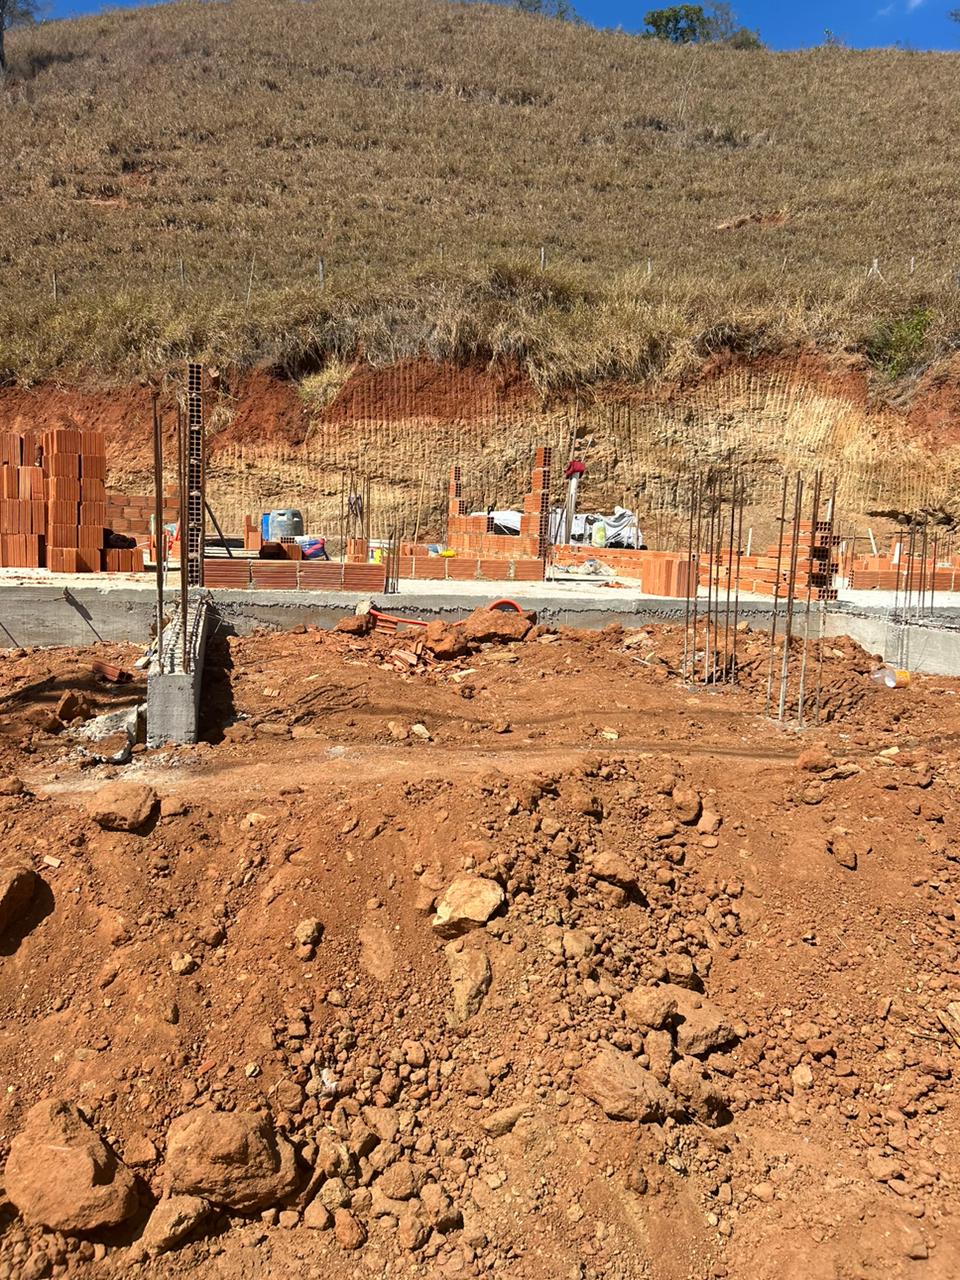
point(814, 521)
point(831, 512)
point(158, 531)
point(726, 618)
point(933, 574)
point(791, 585)
point(736, 590)
point(696, 579)
point(776, 599)
point(184, 521)
point(694, 480)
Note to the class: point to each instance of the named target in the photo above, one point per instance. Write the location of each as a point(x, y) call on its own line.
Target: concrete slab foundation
point(68, 613)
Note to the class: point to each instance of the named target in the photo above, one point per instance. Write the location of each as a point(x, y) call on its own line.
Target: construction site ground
point(610, 593)
point(642, 835)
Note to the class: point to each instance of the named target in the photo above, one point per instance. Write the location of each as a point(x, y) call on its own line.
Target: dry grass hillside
point(425, 152)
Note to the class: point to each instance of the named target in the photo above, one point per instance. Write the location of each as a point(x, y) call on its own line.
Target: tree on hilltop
point(679, 23)
point(547, 9)
point(693, 24)
point(14, 13)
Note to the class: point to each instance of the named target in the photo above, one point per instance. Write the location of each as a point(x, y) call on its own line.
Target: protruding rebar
point(742, 502)
point(158, 531)
point(812, 558)
point(776, 598)
point(791, 584)
point(696, 578)
point(184, 524)
point(690, 570)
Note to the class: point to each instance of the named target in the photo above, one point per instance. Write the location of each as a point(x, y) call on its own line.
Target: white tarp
point(617, 530)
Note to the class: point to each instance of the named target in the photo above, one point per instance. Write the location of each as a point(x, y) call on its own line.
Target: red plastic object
point(392, 622)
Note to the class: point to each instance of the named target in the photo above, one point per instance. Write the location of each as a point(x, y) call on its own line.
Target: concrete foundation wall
point(173, 696)
point(931, 650)
point(83, 615)
point(40, 615)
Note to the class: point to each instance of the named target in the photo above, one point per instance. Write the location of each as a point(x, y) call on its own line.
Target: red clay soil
point(264, 408)
point(426, 389)
point(934, 413)
point(640, 846)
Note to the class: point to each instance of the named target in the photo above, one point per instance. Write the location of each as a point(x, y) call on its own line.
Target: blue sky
point(920, 24)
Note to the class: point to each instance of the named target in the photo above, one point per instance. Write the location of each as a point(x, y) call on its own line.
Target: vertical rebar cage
point(196, 477)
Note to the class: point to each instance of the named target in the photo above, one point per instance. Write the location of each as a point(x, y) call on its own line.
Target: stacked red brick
point(899, 571)
point(132, 513)
point(23, 515)
point(660, 573)
point(474, 534)
point(75, 465)
point(54, 505)
point(535, 521)
point(770, 573)
point(292, 575)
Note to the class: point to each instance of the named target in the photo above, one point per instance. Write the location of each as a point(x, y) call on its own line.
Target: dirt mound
point(581, 980)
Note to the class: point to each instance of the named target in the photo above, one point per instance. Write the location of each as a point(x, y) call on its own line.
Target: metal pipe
point(776, 599)
point(159, 535)
point(216, 525)
point(184, 524)
point(791, 585)
point(736, 590)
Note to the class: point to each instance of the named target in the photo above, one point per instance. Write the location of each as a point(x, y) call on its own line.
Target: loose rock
point(623, 1089)
point(122, 806)
point(61, 1175)
point(18, 884)
point(470, 975)
point(235, 1159)
point(468, 903)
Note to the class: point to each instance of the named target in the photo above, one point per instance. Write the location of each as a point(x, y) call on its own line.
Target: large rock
point(486, 625)
point(235, 1159)
point(401, 1181)
point(623, 1089)
point(122, 806)
point(445, 641)
point(701, 1027)
point(687, 804)
point(468, 903)
point(470, 976)
point(61, 1175)
point(18, 884)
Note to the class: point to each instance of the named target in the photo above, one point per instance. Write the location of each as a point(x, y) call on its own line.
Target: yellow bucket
point(892, 677)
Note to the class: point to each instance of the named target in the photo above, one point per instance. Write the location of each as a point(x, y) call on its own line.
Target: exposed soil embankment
point(275, 441)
